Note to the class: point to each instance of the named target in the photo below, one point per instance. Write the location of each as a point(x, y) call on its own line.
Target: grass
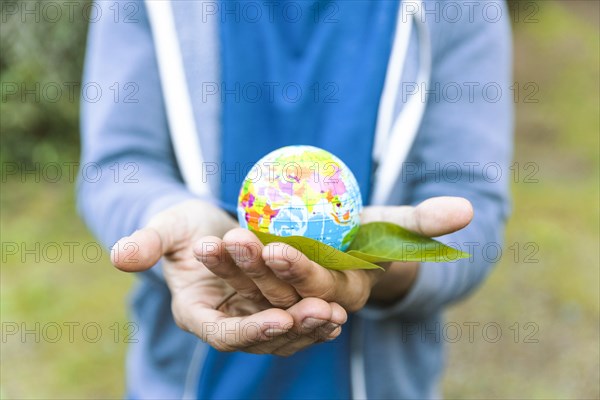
point(54, 292)
point(558, 293)
point(559, 215)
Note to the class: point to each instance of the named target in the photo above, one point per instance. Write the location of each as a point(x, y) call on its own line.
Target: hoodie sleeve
point(128, 170)
point(463, 148)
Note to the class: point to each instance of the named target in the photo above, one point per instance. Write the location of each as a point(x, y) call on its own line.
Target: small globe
point(302, 191)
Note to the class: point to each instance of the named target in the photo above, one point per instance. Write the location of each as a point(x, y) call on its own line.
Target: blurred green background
point(543, 295)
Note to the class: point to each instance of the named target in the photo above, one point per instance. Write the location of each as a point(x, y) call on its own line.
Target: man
point(382, 329)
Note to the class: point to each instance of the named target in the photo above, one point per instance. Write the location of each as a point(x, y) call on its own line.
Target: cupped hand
point(282, 276)
point(207, 304)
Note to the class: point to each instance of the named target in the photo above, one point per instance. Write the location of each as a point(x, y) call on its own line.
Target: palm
point(193, 285)
point(190, 282)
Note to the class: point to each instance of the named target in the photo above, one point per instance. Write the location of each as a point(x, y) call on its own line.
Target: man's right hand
point(247, 322)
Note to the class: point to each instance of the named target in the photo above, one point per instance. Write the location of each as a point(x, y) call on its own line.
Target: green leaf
point(376, 242)
point(324, 255)
point(384, 242)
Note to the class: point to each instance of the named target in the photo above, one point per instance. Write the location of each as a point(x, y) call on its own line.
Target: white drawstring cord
point(182, 125)
point(390, 154)
point(391, 83)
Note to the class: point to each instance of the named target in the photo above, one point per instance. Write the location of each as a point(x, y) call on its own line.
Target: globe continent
point(302, 191)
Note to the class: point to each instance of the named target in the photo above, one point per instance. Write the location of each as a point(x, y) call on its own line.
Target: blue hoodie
point(463, 140)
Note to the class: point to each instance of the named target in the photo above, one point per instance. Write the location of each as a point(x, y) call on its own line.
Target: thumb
point(138, 252)
point(167, 232)
point(433, 217)
point(439, 216)
point(163, 234)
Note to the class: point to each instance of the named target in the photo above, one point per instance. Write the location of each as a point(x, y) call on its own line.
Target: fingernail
point(208, 260)
point(275, 331)
point(232, 248)
point(278, 263)
point(323, 333)
point(241, 253)
point(312, 323)
point(330, 327)
point(329, 339)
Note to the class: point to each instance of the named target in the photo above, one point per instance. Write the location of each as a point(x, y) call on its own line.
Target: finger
point(433, 217)
point(319, 331)
point(327, 332)
point(138, 252)
point(338, 314)
point(226, 333)
point(165, 233)
point(293, 267)
point(349, 288)
point(309, 315)
point(322, 332)
point(210, 251)
point(246, 250)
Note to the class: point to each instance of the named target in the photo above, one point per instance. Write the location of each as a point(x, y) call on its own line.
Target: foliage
point(376, 242)
point(40, 70)
point(384, 242)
